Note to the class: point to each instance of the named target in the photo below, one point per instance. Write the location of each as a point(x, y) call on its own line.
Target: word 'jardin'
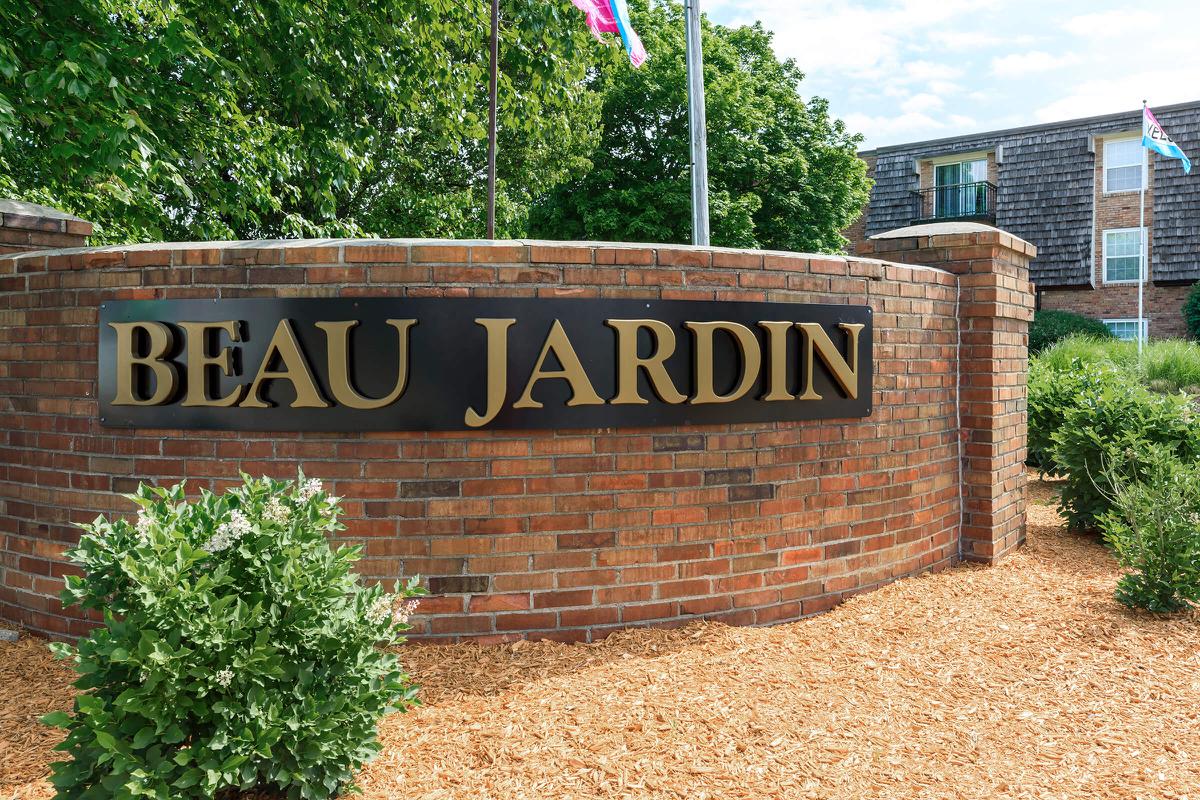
point(210, 364)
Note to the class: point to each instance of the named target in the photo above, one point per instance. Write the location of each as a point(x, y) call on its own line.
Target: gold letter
point(582, 391)
point(295, 369)
point(199, 361)
point(777, 350)
point(628, 361)
point(162, 340)
point(845, 374)
point(751, 358)
point(337, 338)
point(497, 370)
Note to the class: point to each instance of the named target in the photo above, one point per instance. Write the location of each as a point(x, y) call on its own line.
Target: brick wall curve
point(563, 534)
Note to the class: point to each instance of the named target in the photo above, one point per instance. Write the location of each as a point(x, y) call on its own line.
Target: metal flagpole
point(1143, 259)
point(491, 189)
point(697, 124)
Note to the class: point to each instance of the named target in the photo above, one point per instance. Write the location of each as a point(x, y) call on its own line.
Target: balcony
point(975, 202)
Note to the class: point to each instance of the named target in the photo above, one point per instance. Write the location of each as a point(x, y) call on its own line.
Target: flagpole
point(697, 124)
point(1143, 266)
point(492, 97)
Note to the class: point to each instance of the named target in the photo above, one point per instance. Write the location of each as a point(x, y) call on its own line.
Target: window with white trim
point(1122, 255)
point(1124, 161)
point(1126, 329)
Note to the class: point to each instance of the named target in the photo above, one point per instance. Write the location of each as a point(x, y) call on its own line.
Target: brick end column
point(28, 226)
point(995, 305)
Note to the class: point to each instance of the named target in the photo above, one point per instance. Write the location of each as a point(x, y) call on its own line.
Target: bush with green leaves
point(1055, 390)
point(1052, 326)
point(1191, 311)
point(238, 649)
point(1154, 530)
point(1103, 437)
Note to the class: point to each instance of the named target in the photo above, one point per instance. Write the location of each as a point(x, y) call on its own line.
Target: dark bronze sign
point(399, 364)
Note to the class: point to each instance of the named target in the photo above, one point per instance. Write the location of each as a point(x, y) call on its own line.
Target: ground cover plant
point(238, 649)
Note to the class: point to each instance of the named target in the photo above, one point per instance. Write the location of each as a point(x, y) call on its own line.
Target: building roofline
point(1043, 126)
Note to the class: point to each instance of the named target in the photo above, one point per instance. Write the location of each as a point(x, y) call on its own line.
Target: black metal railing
point(970, 201)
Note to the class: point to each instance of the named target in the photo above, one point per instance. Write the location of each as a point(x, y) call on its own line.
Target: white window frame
point(1108, 165)
point(1141, 255)
point(1133, 320)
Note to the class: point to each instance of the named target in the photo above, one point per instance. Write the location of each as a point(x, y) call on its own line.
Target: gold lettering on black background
point(629, 362)
point(582, 391)
point(166, 376)
point(750, 358)
point(846, 374)
point(199, 361)
point(777, 355)
point(295, 369)
point(337, 337)
point(497, 370)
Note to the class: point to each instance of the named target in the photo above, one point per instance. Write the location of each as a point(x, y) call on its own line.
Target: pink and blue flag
point(612, 16)
point(1156, 139)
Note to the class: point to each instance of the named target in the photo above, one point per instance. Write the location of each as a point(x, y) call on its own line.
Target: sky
point(905, 70)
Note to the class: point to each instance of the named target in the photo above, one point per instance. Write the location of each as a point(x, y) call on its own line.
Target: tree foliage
point(782, 173)
point(239, 119)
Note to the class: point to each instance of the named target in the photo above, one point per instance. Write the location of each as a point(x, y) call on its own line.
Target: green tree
point(259, 118)
point(782, 173)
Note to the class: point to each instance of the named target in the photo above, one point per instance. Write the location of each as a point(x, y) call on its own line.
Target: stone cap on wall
point(20, 214)
point(482, 251)
point(939, 234)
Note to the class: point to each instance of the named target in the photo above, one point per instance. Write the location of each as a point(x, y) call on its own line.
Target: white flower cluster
point(380, 609)
point(228, 533)
point(385, 606)
point(144, 523)
point(309, 489)
point(404, 611)
point(224, 677)
point(277, 511)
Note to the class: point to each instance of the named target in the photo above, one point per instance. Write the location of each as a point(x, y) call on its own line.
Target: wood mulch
point(1024, 680)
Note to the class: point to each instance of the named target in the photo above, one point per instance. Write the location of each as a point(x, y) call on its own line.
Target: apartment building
point(1072, 189)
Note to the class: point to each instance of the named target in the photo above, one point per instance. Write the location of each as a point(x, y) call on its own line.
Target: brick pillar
point(28, 226)
point(995, 309)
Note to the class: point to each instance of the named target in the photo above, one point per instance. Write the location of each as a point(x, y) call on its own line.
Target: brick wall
point(27, 226)
point(562, 534)
point(995, 308)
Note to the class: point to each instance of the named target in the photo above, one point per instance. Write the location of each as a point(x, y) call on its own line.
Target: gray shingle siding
point(1176, 232)
point(1046, 188)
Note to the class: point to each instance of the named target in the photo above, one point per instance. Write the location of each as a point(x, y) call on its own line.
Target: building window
point(961, 189)
point(1123, 165)
point(1126, 329)
point(1122, 255)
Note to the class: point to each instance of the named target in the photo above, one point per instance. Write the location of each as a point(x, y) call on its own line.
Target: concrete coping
point(535, 250)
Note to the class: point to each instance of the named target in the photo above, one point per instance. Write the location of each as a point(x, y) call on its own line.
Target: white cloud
point(923, 102)
point(1016, 65)
point(1111, 24)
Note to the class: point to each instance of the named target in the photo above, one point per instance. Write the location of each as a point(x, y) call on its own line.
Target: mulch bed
point(1024, 680)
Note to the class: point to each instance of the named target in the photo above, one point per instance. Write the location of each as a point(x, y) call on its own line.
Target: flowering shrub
point(238, 649)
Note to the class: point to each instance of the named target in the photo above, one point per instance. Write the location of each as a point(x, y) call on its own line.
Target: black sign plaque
point(397, 364)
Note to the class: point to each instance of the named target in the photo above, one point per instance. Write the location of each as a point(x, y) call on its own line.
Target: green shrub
point(1191, 311)
point(1050, 326)
point(1104, 434)
point(1154, 530)
point(1052, 393)
point(238, 649)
